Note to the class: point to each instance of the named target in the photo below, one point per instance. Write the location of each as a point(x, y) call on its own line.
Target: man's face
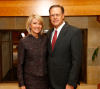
point(56, 17)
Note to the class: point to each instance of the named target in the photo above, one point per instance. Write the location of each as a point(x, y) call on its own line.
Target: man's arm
point(76, 49)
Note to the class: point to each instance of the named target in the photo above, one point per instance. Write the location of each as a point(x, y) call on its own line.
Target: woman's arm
point(21, 53)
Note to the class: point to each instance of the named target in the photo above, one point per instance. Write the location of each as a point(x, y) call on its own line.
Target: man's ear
point(49, 17)
point(63, 16)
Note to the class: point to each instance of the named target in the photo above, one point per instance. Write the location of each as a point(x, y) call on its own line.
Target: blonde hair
point(29, 20)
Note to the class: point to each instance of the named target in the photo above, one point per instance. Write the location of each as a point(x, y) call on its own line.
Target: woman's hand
point(23, 87)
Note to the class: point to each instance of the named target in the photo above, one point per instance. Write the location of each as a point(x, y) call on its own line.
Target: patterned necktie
point(54, 39)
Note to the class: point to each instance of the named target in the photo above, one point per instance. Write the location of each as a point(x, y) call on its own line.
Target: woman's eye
point(34, 23)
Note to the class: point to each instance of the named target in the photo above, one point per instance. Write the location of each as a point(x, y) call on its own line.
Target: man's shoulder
point(67, 25)
point(73, 28)
point(49, 32)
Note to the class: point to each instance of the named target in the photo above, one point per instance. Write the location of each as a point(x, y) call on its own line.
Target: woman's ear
point(30, 26)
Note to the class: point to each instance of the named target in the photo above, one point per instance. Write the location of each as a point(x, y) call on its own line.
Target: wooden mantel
point(41, 7)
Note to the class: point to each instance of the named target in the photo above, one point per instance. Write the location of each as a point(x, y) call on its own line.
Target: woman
point(32, 49)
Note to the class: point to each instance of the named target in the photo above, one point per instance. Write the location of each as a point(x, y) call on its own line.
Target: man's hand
point(69, 87)
point(23, 87)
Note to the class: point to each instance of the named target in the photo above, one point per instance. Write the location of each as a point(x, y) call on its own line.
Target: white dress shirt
point(58, 30)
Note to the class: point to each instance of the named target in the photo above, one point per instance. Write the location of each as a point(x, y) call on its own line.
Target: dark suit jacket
point(65, 60)
point(32, 57)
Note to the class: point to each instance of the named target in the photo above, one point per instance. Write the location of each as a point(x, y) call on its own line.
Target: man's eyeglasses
point(57, 15)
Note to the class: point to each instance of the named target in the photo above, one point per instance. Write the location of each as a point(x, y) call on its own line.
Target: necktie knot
point(55, 31)
point(54, 39)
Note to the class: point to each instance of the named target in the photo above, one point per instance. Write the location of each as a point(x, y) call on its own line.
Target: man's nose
point(55, 16)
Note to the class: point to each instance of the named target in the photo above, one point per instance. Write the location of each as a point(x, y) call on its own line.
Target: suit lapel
point(50, 45)
point(61, 35)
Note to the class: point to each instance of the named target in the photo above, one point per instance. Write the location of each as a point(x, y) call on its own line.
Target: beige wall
point(93, 68)
point(93, 38)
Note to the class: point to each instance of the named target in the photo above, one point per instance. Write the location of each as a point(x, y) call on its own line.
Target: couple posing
point(53, 61)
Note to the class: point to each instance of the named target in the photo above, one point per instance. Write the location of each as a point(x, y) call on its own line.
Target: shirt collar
point(60, 27)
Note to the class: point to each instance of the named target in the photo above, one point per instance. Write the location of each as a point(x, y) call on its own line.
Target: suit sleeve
point(76, 49)
point(21, 53)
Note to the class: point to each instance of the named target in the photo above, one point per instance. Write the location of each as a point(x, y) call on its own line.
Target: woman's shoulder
point(26, 38)
point(43, 37)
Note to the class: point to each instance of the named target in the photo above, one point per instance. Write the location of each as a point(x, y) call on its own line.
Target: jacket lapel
point(61, 35)
point(49, 43)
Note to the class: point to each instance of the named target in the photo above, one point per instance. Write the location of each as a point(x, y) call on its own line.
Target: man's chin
point(55, 25)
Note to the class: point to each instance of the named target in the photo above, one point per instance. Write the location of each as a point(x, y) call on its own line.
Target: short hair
point(29, 20)
point(61, 7)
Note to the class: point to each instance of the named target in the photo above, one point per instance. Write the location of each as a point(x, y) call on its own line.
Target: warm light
point(23, 35)
point(46, 30)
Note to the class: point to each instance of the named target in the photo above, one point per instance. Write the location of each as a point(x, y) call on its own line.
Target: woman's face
point(35, 26)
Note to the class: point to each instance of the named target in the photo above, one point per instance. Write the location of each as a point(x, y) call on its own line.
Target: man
point(65, 51)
